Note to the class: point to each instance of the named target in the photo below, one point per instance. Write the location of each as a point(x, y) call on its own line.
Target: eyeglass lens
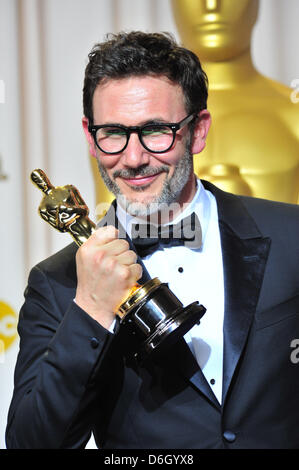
point(154, 138)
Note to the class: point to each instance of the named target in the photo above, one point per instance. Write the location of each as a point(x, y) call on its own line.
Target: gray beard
point(171, 190)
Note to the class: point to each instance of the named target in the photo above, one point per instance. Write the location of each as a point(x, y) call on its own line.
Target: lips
point(141, 180)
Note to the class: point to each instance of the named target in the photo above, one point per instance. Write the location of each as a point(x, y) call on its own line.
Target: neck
point(230, 73)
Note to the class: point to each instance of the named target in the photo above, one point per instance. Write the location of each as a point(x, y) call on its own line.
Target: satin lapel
point(188, 367)
point(244, 261)
point(245, 253)
point(244, 264)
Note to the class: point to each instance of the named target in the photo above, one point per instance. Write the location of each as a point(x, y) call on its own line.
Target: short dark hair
point(137, 54)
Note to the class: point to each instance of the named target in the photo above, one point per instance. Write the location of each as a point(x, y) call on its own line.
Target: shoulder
point(254, 205)
point(63, 260)
point(243, 213)
point(268, 213)
point(52, 282)
point(58, 270)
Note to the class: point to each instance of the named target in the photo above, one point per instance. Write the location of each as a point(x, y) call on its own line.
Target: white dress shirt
point(196, 275)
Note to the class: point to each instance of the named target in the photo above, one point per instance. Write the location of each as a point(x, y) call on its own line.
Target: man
point(231, 381)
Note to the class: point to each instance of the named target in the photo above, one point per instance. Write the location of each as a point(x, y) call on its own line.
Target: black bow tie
point(148, 238)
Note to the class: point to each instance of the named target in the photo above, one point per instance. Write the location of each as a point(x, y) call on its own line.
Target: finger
point(136, 272)
point(116, 247)
point(98, 239)
point(127, 277)
point(104, 235)
point(127, 258)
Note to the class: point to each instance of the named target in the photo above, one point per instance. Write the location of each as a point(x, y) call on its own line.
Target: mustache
point(143, 170)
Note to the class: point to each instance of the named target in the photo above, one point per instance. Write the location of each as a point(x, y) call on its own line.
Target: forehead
point(137, 97)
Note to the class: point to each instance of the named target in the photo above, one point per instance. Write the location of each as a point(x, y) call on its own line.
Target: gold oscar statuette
point(253, 143)
point(152, 311)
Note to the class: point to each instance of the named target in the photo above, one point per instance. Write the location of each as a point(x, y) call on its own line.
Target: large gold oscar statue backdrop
point(253, 144)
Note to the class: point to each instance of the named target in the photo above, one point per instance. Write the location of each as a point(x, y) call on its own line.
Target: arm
point(63, 348)
point(54, 371)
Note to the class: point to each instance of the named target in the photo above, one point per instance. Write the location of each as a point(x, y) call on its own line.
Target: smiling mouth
point(141, 180)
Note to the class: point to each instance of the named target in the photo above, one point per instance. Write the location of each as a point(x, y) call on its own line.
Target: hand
point(106, 272)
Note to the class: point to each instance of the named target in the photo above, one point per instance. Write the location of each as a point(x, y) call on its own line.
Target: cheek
point(172, 157)
point(170, 162)
point(108, 162)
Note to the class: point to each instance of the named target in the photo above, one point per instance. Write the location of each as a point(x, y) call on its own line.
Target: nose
point(135, 154)
point(212, 5)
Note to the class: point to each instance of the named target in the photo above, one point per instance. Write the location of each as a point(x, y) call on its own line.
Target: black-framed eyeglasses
point(156, 138)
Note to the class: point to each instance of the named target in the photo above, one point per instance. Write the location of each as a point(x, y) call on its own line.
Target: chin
point(136, 206)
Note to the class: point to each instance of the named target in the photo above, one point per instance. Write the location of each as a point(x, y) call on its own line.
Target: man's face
point(139, 176)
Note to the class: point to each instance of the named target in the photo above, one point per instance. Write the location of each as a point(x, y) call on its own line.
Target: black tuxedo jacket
point(72, 377)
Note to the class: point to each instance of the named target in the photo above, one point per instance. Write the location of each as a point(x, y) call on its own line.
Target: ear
point(91, 145)
point(201, 130)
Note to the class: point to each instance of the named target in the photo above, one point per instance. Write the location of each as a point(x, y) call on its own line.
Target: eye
point(155, 130)
point(111, 132)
